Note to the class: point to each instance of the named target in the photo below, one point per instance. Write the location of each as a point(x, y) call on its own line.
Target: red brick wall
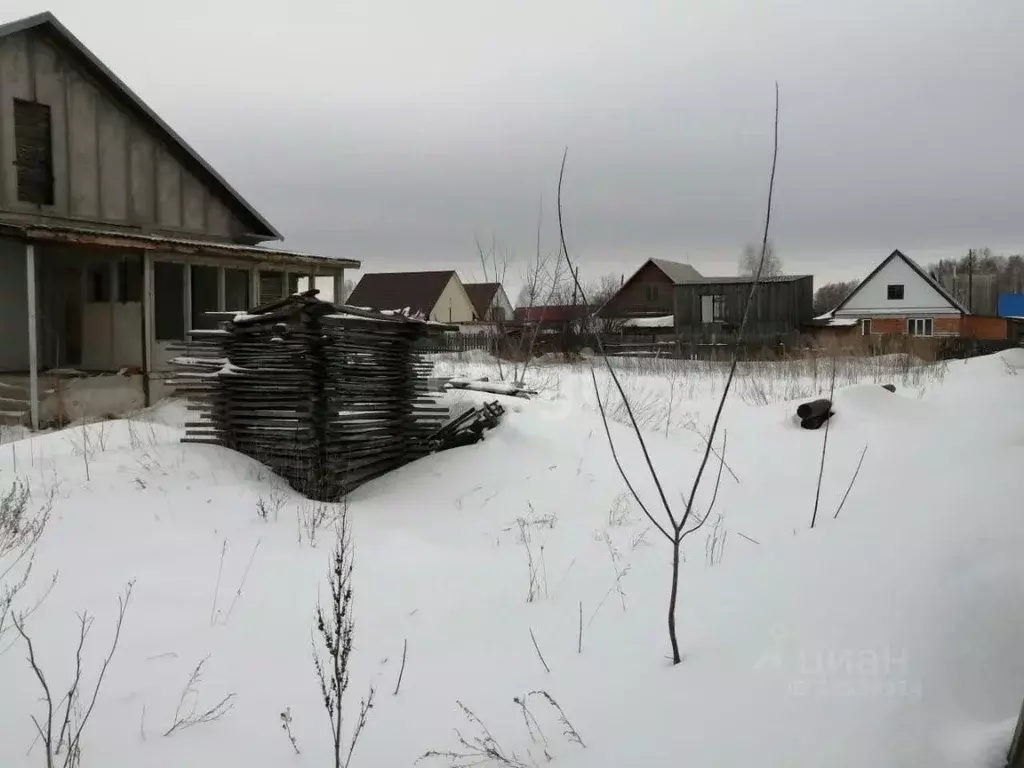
point(988, 328)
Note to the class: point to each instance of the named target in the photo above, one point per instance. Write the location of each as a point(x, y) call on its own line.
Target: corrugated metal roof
point(676, 271)
point(49, 22)
point(734, 280)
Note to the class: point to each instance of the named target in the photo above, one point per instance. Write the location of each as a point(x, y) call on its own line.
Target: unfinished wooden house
point(116, 237)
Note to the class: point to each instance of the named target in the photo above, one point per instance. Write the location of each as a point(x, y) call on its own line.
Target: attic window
point(894, 292)
point(33, 152)
point(651, 292)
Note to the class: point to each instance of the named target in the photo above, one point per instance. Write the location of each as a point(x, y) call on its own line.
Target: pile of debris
point(467, 428)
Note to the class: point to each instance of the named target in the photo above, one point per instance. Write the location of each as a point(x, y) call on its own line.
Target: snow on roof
point(663, 321)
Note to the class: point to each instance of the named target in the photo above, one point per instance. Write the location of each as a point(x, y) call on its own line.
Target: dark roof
point(419, 291)
point(48, 23)
point(560, 313)
point(897, 254)
point(734, 280)
point(676, 271)
point(481, 294)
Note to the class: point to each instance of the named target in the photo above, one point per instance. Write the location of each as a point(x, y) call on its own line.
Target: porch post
point(33, 345)
point(147, 327)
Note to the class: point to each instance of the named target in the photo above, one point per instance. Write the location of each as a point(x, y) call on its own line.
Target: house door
point(707, 309)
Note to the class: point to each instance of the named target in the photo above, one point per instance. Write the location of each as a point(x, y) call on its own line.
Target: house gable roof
point(419, 291)
point(676, 271)
point(481, 295)
point(897, 254)
point(48, 23)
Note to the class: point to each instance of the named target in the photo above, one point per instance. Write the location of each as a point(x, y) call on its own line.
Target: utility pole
point(970, 281)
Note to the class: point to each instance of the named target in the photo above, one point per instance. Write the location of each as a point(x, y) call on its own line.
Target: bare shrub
point(336, 629)
point(61, 728)
point(314, 517)
point(187, 714)
point(21, 528)
point(482, 748)
point(286, 726)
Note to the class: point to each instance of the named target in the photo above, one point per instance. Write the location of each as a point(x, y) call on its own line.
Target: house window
point(894, 292)
point(651, 292)
point(718, 308)
point(205, 296)
point(865, 327)
point(919, 326)
point(236, 289)
point(129, 279)
point(33, 152)
point(98, 283)
point(169, 301)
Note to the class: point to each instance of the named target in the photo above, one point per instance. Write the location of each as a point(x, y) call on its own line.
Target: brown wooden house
point(650, 291)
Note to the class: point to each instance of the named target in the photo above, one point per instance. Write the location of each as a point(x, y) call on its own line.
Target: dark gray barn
point(714, 306)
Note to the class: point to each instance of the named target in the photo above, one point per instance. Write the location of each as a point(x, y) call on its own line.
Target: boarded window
point(236, 289)
point(97, 283)
point(129, 279)
point(204, 297)
point(271, 286)
point(169, 301)
point(33, 152)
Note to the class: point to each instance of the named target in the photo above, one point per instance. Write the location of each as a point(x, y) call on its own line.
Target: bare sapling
point(60, 729)
point(336, 628)
point(675, 525)
point(188, 714)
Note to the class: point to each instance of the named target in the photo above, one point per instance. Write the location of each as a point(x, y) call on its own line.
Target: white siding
point(454, 305)
point(919, 296)
point(501, 301)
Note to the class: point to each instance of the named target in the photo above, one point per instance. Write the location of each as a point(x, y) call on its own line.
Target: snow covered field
point(890, 636)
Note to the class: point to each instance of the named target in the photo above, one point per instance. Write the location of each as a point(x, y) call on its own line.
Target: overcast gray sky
point(397, 131)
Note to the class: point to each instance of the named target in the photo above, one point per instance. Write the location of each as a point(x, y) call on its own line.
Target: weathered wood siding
point(634, 298)
point(779, 308)
point(109, 166)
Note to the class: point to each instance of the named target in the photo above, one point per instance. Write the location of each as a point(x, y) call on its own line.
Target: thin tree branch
point(824, 445)
point(600, 347)
point(743, 324)
point(852, 481)
point(615, 457)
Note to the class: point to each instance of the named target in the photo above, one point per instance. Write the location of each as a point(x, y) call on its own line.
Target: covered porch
point(90, 318)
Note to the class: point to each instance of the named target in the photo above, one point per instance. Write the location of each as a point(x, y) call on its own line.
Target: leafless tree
point(760, 260)
point(828, 296)
point(676, 525)
point(61, 729)
point(336, 629)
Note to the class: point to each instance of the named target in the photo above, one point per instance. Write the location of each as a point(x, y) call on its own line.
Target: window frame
point(29, 175)
point(865, 326)
point(895, 288)
point(925, 324)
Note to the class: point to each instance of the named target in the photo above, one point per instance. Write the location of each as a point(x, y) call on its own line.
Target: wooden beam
point(33, 344)
point(147, 326)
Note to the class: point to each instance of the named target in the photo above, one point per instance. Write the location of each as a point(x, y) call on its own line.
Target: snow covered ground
point(890, 636)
